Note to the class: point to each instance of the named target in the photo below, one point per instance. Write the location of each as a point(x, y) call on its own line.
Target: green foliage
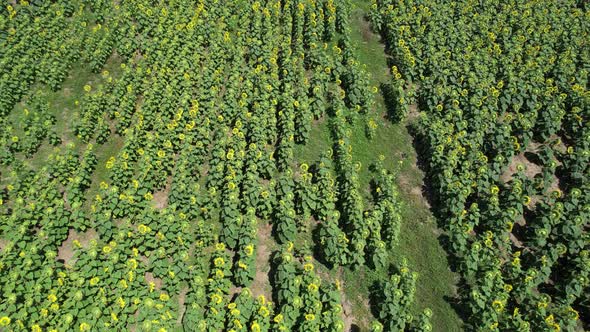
point(500, 89)
point(394, 298)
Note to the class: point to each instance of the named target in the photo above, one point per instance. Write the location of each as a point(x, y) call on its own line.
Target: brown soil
point(347, 311)
point(561, 146)
point(417, 191)
point(3, 243)
point(261, 283)
point(66, 201)
point(515, 241)
point(181, 306)
point(520, 221)
point(149, 277)
point(403, 183)
point(554, 184)
point(347, 316)
point(530, 171)
point(319, 121)
point(414, 190)
point(161, 197)
point(234, 291)
point(413, 113)
point(138, 56)
point(66, 251)
point(205, 169)
point(144, 259)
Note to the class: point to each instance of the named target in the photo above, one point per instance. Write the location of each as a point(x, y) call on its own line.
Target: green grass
point(419, 235)
point(103, 153)
point(319, 142)
point(62, 105)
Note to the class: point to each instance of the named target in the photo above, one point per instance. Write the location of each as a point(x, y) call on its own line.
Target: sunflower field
point(505, 136)
point(210, 165)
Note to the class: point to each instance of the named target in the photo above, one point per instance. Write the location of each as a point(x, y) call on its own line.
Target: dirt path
point(266, 244)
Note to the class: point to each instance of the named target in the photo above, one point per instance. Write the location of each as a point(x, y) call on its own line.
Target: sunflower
point(4, 321)
point(498, 305)
point(312, 287)
point(526, 200)
point(249, 250)
point(219, 261)
point(94, 281)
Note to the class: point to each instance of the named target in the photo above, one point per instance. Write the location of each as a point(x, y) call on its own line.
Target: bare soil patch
point(261, 283)
point(66, 251)
point(531, 169)
point(414, 190)
point(161, 197)
point(3, 244)
point(347, 315)
point(515, 241)
point(234, 291)
point(413, 113)
point(347, 310)
point(366, 32)
point(181, 306)
point(149, 277)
